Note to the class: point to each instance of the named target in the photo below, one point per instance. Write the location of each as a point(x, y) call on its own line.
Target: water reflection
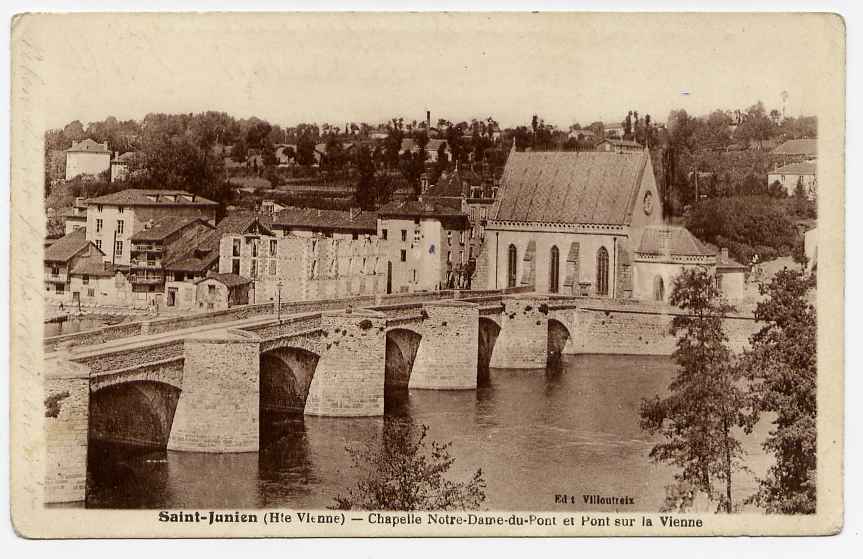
point(570, 429)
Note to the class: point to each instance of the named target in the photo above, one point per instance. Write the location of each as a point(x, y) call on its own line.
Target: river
point(570, 430)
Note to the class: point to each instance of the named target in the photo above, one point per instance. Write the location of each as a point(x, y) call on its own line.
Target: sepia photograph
point(421, 274)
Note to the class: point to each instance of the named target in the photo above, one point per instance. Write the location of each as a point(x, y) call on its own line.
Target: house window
point(91, 292)
point(120, 225)
point(120, 209)
point(273, 246)
point(449, 237)
point(235, 266)
point(554, 271)
point(449, 256)
point(415, 276)
point(98, 226)
point(118, 248)
point(60, 288)
point(355, 236)
point(461, 237)
point(211, 290)
point(512, 261)
point(85, 279)
point(404, 255)
point(658, 289)
point(384, 234)
point(602, 271)
point(99, 208)
point(55, 271)
point(253, 270)
point(404, 235)
point(99, 244)
point(272, 267)
point(254, 248)
point(235, 250)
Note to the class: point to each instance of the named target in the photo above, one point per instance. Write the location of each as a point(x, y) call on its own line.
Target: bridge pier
point(349, 378)
point(218, 407)
point(447, 354)
point(523, 339)
point(67, 401)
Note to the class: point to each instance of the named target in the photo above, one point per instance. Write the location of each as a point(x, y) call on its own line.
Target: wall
point(67, 399)
point(631, 331)
point(523, 339)
point(80, 163)
point(498, 246)
point(218, 409)
point(207, 299)
point(451, 330)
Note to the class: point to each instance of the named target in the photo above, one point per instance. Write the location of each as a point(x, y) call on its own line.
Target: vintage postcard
point(291, 275)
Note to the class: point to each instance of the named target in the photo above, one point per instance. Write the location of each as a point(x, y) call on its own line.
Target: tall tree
point(366, 188)
point(782, 368)
point(704, 402)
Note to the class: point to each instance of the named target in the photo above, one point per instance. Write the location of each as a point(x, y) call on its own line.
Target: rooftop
point(88, 146)
point(142, 197)
point(801, 168)
point(198, 257)
point(622, 143)
point(336, 220)
point(64, 248)
point(426, 208)
point(797, 147)
point(93, 265)
point(587, 187)
point(229, 280)
point(165, 227)
point(680, 241)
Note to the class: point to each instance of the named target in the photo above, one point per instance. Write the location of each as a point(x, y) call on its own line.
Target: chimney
point(428, 120)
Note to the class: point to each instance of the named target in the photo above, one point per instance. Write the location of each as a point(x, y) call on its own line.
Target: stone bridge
point(206, 391)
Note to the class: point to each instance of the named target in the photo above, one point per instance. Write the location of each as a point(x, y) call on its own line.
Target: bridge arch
point(286, 374)
point(489, 330)
point(137, 412)
point(558, 337)
point(401, 351)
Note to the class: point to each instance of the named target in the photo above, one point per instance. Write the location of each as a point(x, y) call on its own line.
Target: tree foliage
point(402, 473)
point(705, 401)
point(744, 225)
point(782, 368)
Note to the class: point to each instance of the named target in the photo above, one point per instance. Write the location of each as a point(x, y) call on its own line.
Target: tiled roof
point(797, 147)
point(72, 213)
point(128, 157)
point(230, 280)
point(205, 253)
point(429, 208)
point(681, 241)
point(141, 197)
point(622, 143)
point(64, 248)
point(165, 227)
point(93, 265)
point(801, 168)
point(311, 218)
point(88, 146)
point(591, 187)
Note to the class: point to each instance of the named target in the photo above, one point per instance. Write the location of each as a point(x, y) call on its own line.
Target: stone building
point(426, 243)
point(567, 222)
point(87, 158)
point(803, 173)
point(299, 268)
point(158, 243)
point(77, 274)
point(338, 224)
point(114, 218)
point(218, 292)
point(590, 224)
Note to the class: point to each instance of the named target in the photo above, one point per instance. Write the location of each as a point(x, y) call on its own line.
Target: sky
point(370, 67)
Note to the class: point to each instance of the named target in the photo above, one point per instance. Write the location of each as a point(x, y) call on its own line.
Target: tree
point(705, 400)
point(782, 369)
point(366, 191)
point(305, 150)
point(403, 474)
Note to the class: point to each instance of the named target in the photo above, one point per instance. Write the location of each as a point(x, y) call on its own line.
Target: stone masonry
point(349, 379)
point(218, 407)
point(451, 333)
point(67, 401)
point(523, 339)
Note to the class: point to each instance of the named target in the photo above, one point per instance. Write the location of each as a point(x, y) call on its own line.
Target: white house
point(87, 158)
